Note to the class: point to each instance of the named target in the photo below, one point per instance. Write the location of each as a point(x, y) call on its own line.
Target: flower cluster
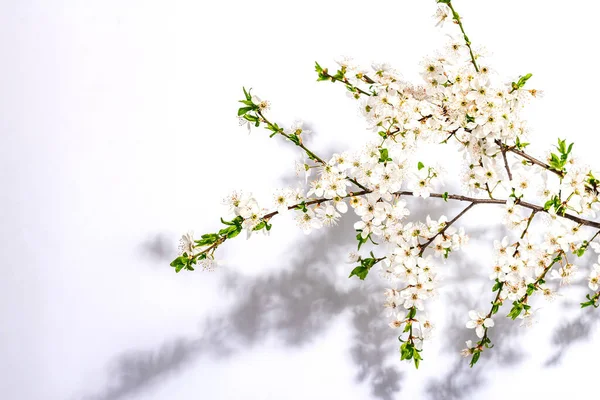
point(462, 103)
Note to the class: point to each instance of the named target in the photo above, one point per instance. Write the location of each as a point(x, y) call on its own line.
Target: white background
point(118, 132)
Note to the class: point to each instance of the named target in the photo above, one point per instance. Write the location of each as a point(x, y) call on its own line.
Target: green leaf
point(475, 358)
point(359, 271)
point(445, 196)
point(495, 307)
point(339, 76)
point(226, 231)
point(562, 147)
point(207, 239)
point(294, 138)
point(516, 310)
point(497, 286)
point(318, 67)
point(251, 118)
point(238, 220)
point(180, 262)
point(322, 72)
point(302, 207)
point(520, 145)
point(549, 204)
point(417, 358)
point(360, 239)
point(406, 351)
point(244, 110)
point(233, 234)
point(247, 93)
point(521, 82)
point(384, 156)
point(260, 226)
point(592, 301)
point(420, 165)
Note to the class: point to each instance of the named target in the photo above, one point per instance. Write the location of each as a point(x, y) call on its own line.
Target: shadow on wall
point(572, 330)
point(297, 304)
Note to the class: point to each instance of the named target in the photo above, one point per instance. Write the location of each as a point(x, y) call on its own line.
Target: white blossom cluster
point(460, 103)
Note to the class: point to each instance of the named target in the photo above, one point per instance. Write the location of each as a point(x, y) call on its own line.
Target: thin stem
point(498, 299)
point(467, 41)
point(521, 203)
point(346, 82)
point(542, 276)
point(212, 247)
point(593, 237)
point(506, 164)
point(310, 154)
point(299, 143)
point(504, 148)
point(441, 232)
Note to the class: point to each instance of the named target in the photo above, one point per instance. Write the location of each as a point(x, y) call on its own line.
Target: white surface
point(118, 118)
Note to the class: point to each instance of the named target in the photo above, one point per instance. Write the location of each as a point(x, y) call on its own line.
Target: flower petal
point(479, 331)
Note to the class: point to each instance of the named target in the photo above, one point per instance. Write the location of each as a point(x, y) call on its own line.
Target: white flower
point(340, 204)
point(308, 221)
point(302, 168)
point(442, 13)
point(527, 318)
point(413, 297)
point(244, 122)
point(281, 200)
point(421, 184)
point(367, 227)
point(297, 129)
point(398, 321)
point(548, 293)
point(353, 257)
point(469, 350)
point(594, 278)
point(426, 327)
point(251, 214)
point(186, 244)
point(209, 264)
point(316, 188)
point(335, 187)
point(237, 200)
point(263, 105)
point(480, 322)
point(565, 274)
point(328, 215)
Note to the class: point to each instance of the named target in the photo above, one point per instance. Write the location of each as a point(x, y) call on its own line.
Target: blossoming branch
point(459, 104)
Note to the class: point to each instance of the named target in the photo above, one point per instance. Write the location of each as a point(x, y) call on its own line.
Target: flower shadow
point(296, 305)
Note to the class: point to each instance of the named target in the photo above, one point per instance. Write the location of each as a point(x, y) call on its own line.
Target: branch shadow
point(294, 305)
point(297, 304)
point(573, 330)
